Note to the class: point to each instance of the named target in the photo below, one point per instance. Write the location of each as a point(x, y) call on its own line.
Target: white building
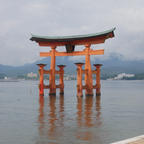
point(32, 75)
point(123, 75)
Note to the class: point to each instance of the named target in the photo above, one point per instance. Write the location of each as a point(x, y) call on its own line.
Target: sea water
point(27, 119)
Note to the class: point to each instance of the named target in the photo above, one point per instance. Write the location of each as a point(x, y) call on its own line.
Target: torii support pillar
point(61, 81)
point(98, 85)
point(41, 75)
point(79, 79)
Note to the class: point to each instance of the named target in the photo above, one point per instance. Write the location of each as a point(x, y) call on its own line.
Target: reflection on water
point(88, 111)
point(98, 110)
point(41, 115)
point(52, 117)
point(52, 120)
point(87, 119)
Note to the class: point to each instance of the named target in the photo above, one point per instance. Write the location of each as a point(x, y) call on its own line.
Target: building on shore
point(31, 75)
point(123, 76)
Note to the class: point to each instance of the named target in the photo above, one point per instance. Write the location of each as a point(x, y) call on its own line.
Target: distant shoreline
point(3, 80)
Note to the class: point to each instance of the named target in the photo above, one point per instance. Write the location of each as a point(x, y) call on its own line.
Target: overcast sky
point(20, 18)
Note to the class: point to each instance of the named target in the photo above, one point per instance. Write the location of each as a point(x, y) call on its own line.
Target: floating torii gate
point(70, 42)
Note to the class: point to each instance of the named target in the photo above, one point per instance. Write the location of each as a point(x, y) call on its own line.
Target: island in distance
point(112, 68)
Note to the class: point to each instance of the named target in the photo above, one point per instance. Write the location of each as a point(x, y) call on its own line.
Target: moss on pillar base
point(41, 94)
point(52, 94)
point(61, 93)
point(98, 94)
point(89, 94)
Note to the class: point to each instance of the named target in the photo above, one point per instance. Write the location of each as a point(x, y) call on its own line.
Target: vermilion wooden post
point(98, 85)
point(52, 74)
point(79, 79)
point(88, 72)
point(41, 74)
point(61, 81)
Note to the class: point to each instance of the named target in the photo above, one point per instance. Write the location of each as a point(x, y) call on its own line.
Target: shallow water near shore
point(27, 119)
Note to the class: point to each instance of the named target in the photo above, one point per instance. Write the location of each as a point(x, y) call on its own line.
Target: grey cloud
point(19, 18)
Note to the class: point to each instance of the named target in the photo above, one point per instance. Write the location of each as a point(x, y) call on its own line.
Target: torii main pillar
point(52, 74)
point(88, 71)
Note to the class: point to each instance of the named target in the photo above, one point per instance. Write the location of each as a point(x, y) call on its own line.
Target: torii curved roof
point(73, 40)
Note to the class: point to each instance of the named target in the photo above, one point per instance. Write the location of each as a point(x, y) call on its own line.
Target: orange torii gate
point(70, 42)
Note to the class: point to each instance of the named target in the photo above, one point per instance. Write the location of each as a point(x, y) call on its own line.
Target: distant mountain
point(111, 65)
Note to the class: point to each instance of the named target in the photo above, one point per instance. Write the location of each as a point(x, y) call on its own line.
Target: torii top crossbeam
point(95, 38)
